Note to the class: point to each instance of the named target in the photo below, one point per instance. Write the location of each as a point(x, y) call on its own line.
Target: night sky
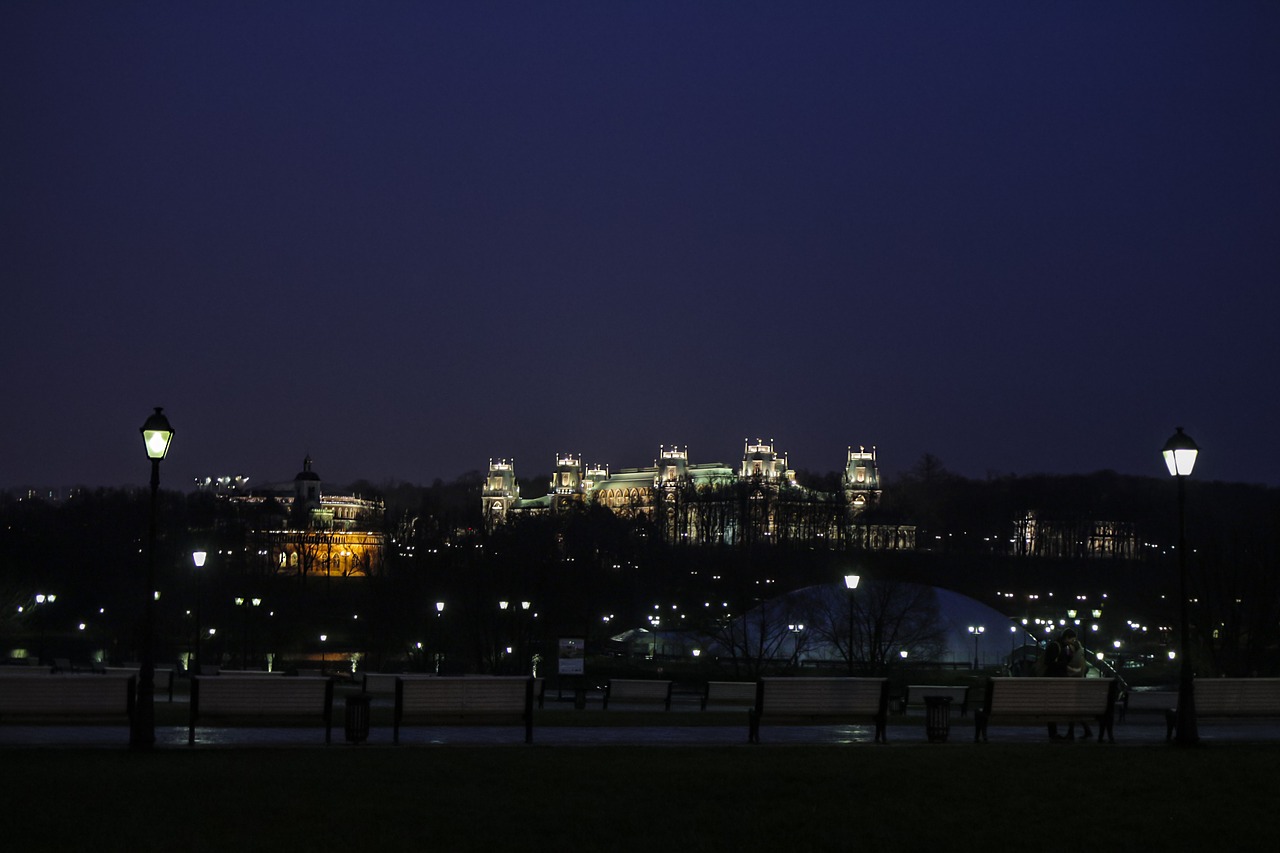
point(408, 237)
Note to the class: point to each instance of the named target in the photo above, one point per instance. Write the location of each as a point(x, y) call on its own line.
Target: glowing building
point(711, 501)
point(311, 533)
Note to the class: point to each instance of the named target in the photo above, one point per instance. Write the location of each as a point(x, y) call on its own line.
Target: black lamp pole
point(156, 435)
point(1180, 455)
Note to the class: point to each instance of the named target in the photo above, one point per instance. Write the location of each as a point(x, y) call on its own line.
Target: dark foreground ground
point(911, 796)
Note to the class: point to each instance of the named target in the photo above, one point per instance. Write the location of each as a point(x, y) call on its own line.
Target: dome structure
point(813, 625)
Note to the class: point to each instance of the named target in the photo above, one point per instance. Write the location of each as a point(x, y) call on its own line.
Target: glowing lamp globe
point(156, 434)
point(1180, 454)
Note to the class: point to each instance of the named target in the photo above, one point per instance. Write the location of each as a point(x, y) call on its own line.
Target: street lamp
point(522, 634)
point(977, 631)
point(198, 558)
point(1180, 457)
point(851, 584)
point(439, 640)
point(156, 435)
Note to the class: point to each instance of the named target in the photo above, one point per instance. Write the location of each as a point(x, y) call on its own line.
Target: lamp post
point(851, 584)
point(156, 435)
point(440, 639)
point(504, 631)
point(198, 558)
point(977, 631)
point(1180, 457)
point(522, 637)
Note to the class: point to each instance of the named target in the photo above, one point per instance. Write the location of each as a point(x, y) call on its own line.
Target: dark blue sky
point(408, 237)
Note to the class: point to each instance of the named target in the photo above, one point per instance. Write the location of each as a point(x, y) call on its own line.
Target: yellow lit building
point(315, 534)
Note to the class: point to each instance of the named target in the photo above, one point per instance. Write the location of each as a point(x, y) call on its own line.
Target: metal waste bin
point(357, 720)
point(937, 724)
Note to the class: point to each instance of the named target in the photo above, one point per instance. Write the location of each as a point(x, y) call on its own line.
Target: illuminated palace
point(302, 531)
point(711, 502)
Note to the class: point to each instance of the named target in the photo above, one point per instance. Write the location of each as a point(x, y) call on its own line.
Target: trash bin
point(357, 721)
point(937, 711)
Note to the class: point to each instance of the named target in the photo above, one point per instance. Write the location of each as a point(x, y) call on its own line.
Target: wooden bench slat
point(1234, 698)
point(813, 700)
point(67, 696)
point(464, 699)
point(255, 697)
point(1046, 699)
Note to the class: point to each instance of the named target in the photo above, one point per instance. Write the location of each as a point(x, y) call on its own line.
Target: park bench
point(740, 694)
point(55, 698)
point(384, 683)
point(1230, 698)
point(464, 699)
point(957, 693)
point(1049, 700)
point(161, 677)
point(820, 701)
point(644, 690)
point(258, 699)
point(32, 668)
point(1145, 702)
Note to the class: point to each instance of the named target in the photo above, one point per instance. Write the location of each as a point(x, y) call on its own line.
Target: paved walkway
point(556, 726)
point(1142, 731)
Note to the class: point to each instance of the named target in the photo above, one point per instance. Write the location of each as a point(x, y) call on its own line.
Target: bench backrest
point(33, 669)
point(461, 695)
point(1244, 696)
point(67, 694)
point(818, 696)
point(1040, 695)
point(253, 696)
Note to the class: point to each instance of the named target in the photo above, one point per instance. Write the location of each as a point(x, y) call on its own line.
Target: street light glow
point(1180, 454)
point(156, 434)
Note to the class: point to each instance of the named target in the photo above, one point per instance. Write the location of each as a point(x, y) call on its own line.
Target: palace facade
point(302, 531)
point(710, 502)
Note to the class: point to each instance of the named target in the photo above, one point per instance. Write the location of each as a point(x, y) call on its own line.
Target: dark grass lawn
point(909, 797)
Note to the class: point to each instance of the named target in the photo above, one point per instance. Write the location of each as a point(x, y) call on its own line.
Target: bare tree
point(878, 619)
